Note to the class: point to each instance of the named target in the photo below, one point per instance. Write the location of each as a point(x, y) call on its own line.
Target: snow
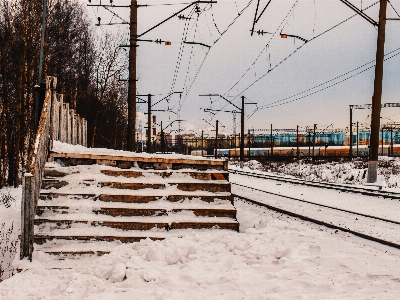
point(272, 257)
point(343, 172)
point(10, 222)
point(60, 147)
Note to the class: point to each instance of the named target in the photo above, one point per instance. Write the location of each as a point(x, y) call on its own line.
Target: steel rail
point(319, 222)
point(318, 204)
point(356, 190)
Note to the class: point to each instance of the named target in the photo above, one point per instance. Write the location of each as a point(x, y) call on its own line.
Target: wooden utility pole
point(297, 142)
point(357, 138)
point(132, 79)
point(216, 140)
point(242, 134)
point(351, 132)
point(272, 143)
point(377, 96)
point(149, 127)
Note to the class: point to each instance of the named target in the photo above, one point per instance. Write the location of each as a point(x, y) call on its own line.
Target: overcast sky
point(266, 69)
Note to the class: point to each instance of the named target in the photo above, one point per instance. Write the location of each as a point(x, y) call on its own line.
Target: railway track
point(368, 191)
point(369, 227)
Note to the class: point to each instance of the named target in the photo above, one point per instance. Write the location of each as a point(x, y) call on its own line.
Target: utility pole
point(248, 141)
point(297, 142)
point(149, 123)
point(216, 140)
point(357, 138)
point(351, 132)
point(242, 134)
point(162, 139)
point(202, 132)
point(313, 145)
point(391, 141)
point(382, 141)
point(377, 96)
point(272, 143)
point(40, 93)
point(132, 81)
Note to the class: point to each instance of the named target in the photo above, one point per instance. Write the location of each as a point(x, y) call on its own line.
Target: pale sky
point(263, 68)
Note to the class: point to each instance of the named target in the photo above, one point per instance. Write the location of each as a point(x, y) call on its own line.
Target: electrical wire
point(259, 55)
point(274, 104)
point(298, 48)
point(394, 9)
point(208, 51)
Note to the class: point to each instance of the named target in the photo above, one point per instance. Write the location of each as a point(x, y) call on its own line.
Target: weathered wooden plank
point(74, 126)
point(84, 132)
point(55, 117)
point(187, 162)
point(61, 100)
point(26, 217)
point(41, 239)
point(216, 175)
point(63, 123)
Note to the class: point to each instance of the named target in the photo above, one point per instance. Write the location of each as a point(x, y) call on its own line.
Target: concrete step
point(205, 175)
point(126, 160)
point(118, 211)
point(216, 186)
point(42, 238)
point(129, 198)
point(145, 224)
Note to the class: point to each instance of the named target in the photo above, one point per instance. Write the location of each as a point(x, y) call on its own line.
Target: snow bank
point(10, 224)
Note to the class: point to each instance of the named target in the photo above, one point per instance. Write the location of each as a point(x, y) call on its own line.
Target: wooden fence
point(57, 122)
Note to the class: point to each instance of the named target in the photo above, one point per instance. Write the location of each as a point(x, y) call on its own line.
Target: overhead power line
point(296, 50)
point(280, 102)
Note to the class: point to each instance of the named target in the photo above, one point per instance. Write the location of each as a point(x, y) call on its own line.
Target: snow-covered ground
point(10, 223)
point(272, 257)
point(354, 172)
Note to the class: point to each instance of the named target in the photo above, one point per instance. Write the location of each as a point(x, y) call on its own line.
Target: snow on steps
point(85, 209)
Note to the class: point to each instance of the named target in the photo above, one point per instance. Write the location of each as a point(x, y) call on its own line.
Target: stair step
point(206, 223)
point(129, 198)
point(206, 175)
point(120, 211)
point(183, 186)
point(41, 239)
point(77, 252)
point(128, 159)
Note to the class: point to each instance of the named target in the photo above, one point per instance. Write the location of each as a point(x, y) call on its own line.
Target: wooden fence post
point(27, 216)
point(61, 98)
point(63, 123)
point(68, 122)
point(73, 127)
point(84, 132)
point(79, 130)
point(55, 117)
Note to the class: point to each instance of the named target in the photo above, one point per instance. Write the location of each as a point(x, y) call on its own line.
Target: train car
point(319, 150)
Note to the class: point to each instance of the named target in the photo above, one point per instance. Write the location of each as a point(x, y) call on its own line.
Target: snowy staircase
point(90, 203)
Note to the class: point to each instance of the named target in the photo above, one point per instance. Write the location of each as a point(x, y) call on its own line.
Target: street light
point(285, 36)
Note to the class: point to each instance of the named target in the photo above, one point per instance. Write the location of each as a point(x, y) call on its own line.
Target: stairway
point(90, 202)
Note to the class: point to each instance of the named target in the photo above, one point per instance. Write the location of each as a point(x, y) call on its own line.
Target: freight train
point(363, 150)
